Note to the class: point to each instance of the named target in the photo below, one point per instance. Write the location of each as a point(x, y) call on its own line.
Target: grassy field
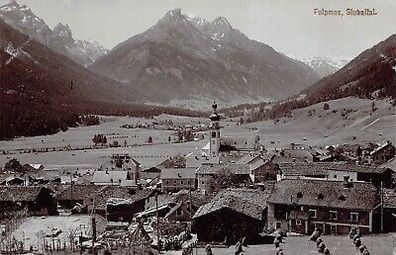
point(338, 245)
point(330, 127)
point(311, 126)
point(32, 230)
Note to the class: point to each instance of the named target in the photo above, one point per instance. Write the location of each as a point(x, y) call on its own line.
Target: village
point(231, 191)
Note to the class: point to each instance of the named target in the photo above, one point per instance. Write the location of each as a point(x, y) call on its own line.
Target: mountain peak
point(174, 13)
point(222, 22)
point(14, 6)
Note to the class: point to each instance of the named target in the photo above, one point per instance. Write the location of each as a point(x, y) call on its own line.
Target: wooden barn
point(37, 200)
point(232, 215)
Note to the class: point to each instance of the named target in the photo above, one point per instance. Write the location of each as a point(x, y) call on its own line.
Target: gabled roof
point(359, 196)
point(19, 193)
point(216, 168)
point(178, 173)
point(250, 202)
point(74, 192)
point(381, 147)
point(258, 164)
point(110, 192)
point(322, 168)
point(389, 196)
point(109, 176)
point(247, 159)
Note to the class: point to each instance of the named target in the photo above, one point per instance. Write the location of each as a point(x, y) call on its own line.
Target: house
point(383, 153)
point(33, 167)
point(37, 200)
point(14, 180)
point(176, 179)
point(389, 207)
point(117, 203)
point(112, 177)
point(234, 173)
point(300, 205)
point(228, 144)
point(292, 155)
point(232, 214)
point(262, 171)
point(71, 195)
point(335, 171)
point(301, 170)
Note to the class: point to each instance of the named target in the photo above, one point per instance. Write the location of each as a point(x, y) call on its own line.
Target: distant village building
point(33, 167)
point(112, 177)
point(231, 215)
point(300, 205)
point(383, 153)
point(176, 179)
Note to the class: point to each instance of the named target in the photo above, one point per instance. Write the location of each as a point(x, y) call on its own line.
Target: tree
point(13, 165)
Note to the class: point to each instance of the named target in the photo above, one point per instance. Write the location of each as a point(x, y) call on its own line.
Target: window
point(335, 176)
point(299, 194)
point(179, 212)
point(203, 182)
point(320, 196)
point(298, 222)
point(182, 182)
point(342, 197)
point(278, 225)
point(312, 213)
point(213, 134)
point(354, 216)
point(174, 181)
point(302, 208)
point(333, 215)
point(333, 229)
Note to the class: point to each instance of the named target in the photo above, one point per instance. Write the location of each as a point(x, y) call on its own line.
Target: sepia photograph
point(197, 127)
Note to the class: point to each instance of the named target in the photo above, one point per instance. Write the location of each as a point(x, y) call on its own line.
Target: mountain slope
point(371, 75)
point(374, 70)
point(193, 59)
point(59, 39)
point(40, 89)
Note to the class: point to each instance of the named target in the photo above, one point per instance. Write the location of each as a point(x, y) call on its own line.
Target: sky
point(289, 26)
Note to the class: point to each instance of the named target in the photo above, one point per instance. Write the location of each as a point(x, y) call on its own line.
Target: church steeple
point(214, 132)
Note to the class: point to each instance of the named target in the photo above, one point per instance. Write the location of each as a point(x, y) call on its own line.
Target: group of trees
point(89, 120)
point(99, 139)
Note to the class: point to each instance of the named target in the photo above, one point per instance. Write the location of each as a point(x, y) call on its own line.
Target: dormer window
point(342, 198)
point(299, 194)
point(320, 196)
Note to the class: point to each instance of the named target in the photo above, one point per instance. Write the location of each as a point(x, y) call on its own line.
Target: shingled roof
point(19, 193)
point(110, 192)
point(216, 168)
point(176, 173)
point(322, 168)
point(74, 192)
point(389, 198)
point(250, 202)
point(359, 196)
